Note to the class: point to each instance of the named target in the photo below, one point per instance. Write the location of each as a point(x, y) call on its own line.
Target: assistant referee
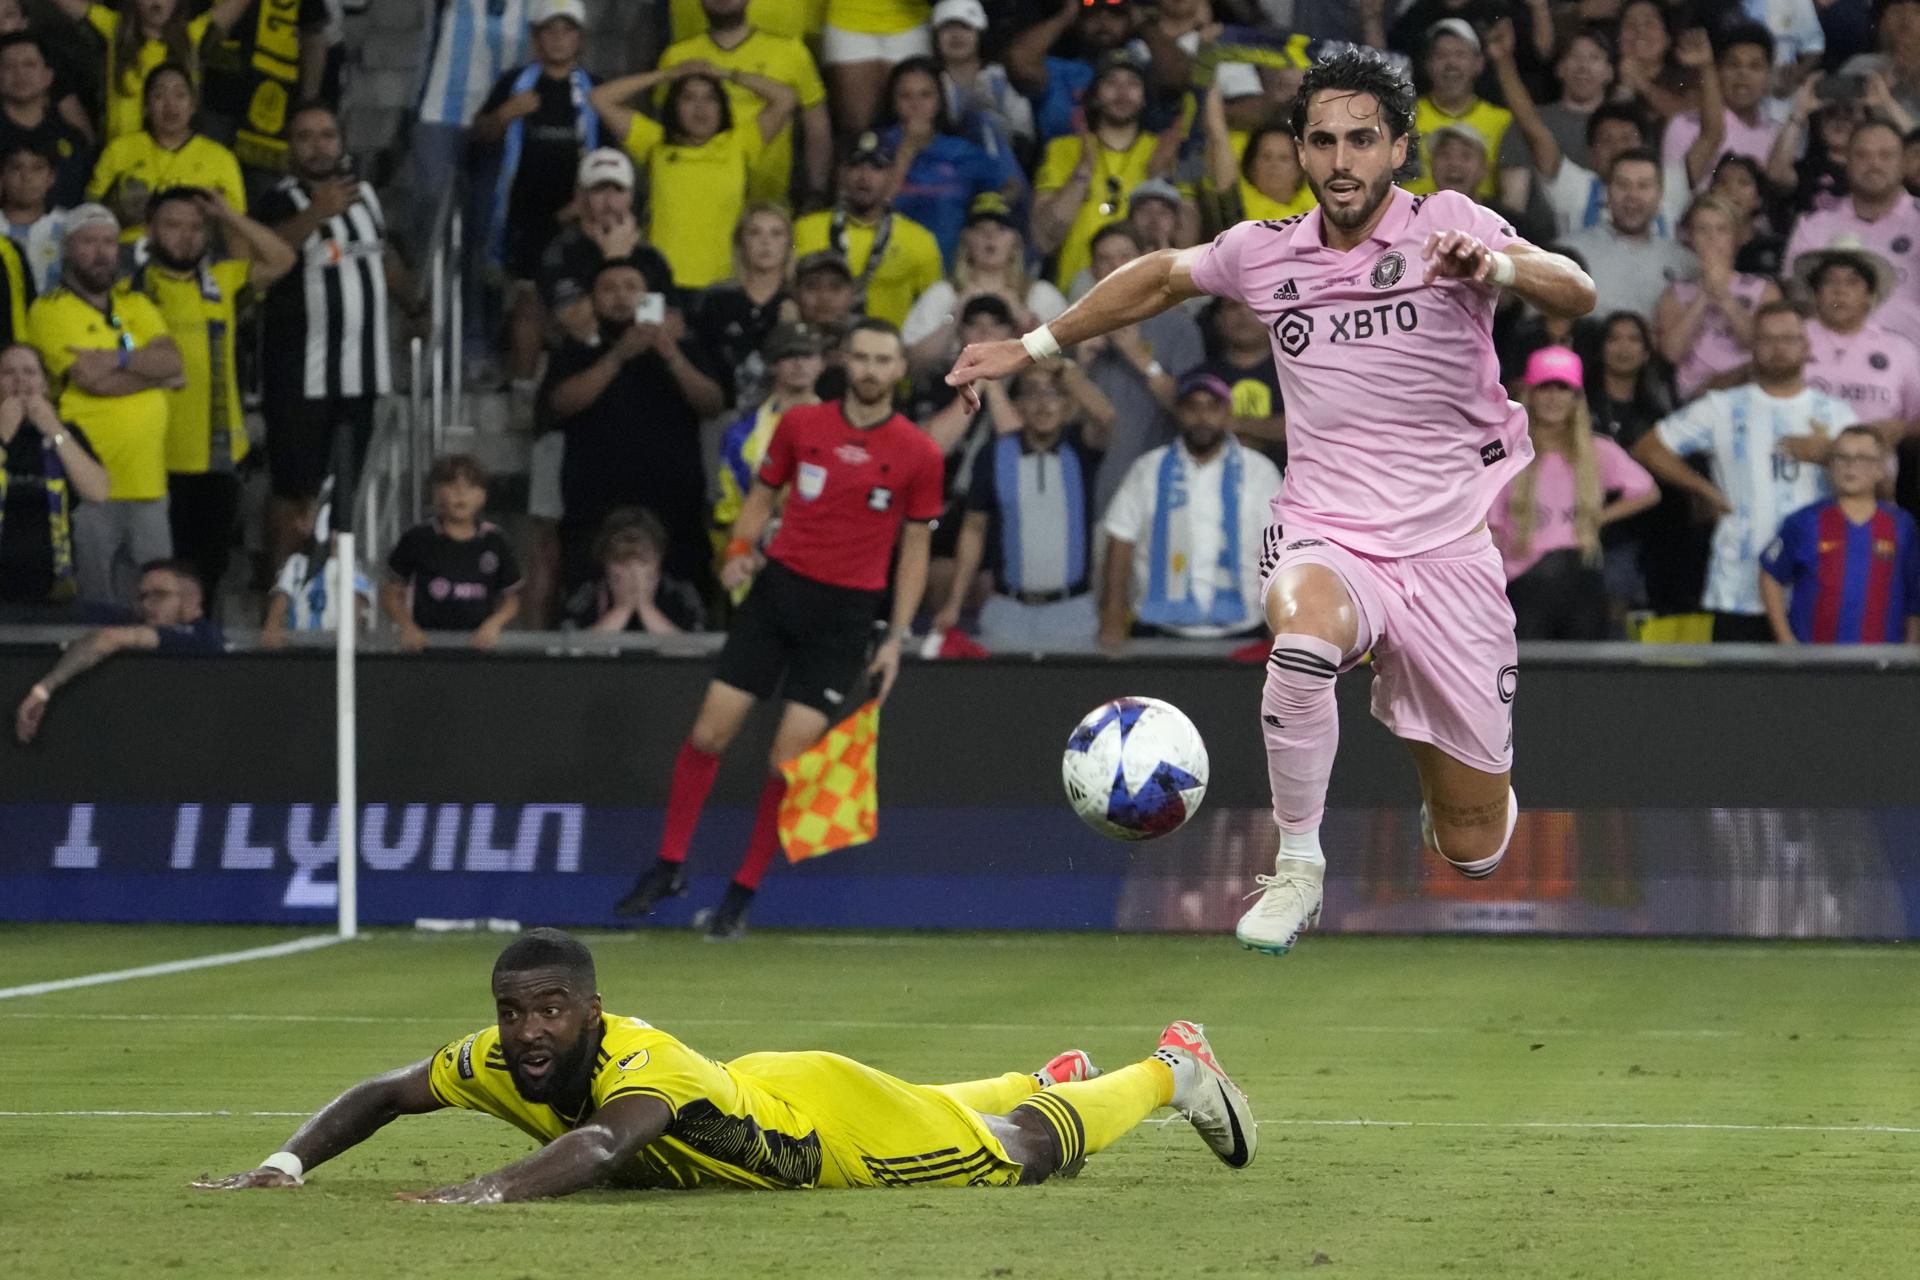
point(862, 477)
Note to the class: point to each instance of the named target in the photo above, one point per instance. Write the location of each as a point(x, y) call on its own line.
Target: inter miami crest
point(1388, 270)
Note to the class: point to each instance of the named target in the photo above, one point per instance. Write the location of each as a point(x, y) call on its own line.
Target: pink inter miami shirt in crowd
point(1399, 433)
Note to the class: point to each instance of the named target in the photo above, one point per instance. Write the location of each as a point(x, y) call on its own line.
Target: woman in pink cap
point(1547, 520)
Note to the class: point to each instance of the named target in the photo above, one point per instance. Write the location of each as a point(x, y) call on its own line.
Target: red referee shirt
point(851, 490)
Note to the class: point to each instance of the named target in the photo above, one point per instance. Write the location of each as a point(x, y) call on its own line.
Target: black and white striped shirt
point(326, 321)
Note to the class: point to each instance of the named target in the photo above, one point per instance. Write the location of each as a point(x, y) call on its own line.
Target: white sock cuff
point(1303, 846)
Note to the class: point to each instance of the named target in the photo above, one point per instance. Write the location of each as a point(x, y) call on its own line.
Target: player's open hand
point(461, 1193)
point(985, 360)
point(252, 1178)
point(1455, 255)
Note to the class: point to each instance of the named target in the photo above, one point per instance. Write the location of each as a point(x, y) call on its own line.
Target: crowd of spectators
point(668, 259)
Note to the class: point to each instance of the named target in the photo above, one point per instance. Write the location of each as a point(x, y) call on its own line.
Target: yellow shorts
point(877, 1130)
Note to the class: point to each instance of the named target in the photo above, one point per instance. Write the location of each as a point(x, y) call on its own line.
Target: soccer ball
point(1135, 768)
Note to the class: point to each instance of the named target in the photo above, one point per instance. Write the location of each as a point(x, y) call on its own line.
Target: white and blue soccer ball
point(1135, 768)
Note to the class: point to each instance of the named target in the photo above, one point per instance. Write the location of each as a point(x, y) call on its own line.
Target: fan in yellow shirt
point(201, 299)
point(893, 258)
point(794, 19)
point(142, 34)
point(732, 44)
point(1453, 61)
point(167, 153)
point(1084, 180)
point(1253, 176)
point(614, 1100)
point(697, 157)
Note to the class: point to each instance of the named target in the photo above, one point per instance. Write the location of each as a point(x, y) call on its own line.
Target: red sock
point(693, 771)
point(765, 839)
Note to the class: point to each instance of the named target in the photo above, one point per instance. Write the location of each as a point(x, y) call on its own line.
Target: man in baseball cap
point(1453, 60)
point(968, 13)
point(1156, 569)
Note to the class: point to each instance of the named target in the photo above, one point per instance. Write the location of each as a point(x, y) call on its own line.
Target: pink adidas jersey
point(1399, 433)
point(1875, 370)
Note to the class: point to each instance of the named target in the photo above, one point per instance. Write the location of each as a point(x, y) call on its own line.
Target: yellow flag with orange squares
point(833, 798)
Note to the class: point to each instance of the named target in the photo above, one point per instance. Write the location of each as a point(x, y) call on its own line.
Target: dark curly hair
point(1358, 71)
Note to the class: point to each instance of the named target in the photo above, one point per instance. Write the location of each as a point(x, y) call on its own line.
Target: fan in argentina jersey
point(1764, 442)
point(614, 1100)
point(1399, 435)
point(326, 353)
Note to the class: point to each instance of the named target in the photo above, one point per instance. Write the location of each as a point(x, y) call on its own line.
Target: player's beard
point(566, 1076)
point(1348, 219)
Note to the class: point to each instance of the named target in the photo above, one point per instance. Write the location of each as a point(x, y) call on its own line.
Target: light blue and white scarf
point(1170, 598)
point(586, 127)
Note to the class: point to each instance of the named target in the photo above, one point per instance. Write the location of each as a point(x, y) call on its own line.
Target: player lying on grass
point(615, 1101)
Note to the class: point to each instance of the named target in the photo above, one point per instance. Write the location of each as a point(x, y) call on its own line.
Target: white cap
point(607, 164)
point(88, 215)
point(541, 12)
point(970, 12)
point(1454, 27)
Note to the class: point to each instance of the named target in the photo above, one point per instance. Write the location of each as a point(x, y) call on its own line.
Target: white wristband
point(1040, 344)
point(287, 1163)
point(1502, 273)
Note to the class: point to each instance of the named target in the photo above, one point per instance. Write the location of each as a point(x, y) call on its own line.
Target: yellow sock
point(1091, 1114)
point(993, 1097)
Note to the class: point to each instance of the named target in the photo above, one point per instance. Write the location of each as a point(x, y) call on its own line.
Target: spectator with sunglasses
point(110, 349)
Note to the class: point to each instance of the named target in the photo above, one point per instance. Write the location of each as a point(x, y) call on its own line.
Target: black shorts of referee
point(806, 641)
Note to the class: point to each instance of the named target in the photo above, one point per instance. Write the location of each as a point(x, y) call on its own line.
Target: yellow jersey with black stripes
point(774, 1121)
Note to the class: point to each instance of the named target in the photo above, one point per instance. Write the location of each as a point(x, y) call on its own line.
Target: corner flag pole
point(346, 610)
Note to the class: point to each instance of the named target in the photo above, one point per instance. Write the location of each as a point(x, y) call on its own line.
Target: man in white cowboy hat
point(1853, 355)
point(1880, 212)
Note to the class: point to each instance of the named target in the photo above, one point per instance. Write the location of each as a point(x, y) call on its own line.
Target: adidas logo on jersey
point(1286, 293)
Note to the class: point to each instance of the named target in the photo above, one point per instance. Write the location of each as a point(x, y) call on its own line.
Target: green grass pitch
point(1544, 1108)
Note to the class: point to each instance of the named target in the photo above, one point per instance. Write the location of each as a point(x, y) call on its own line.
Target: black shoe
point(728, 921)
point(661, 880)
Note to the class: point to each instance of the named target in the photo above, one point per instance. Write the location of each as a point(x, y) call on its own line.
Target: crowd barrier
point(1670, 792)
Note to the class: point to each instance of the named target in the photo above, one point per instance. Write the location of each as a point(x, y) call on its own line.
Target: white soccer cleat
point(1289, 903)
point(1204, 1094)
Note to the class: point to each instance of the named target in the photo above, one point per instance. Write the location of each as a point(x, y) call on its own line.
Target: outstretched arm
point(81, 658)
point(572, 1162)
point(1553, 284)
point(347, 1121)
point(1148, 285)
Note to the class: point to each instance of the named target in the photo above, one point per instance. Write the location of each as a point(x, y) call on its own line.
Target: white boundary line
point(1576, 1125)
point(172, 966)
point(851, 1024)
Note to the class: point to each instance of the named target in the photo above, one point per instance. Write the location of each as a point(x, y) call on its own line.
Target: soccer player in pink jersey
point(1399, 435)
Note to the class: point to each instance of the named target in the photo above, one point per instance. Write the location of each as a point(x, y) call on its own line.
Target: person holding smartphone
point(629, 402)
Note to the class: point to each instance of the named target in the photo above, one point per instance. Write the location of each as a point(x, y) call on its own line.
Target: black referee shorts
point(805, 640)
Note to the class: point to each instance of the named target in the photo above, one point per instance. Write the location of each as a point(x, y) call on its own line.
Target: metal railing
point(410, 431)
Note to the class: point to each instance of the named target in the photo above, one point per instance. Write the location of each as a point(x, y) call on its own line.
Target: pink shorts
point(1441, 633)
